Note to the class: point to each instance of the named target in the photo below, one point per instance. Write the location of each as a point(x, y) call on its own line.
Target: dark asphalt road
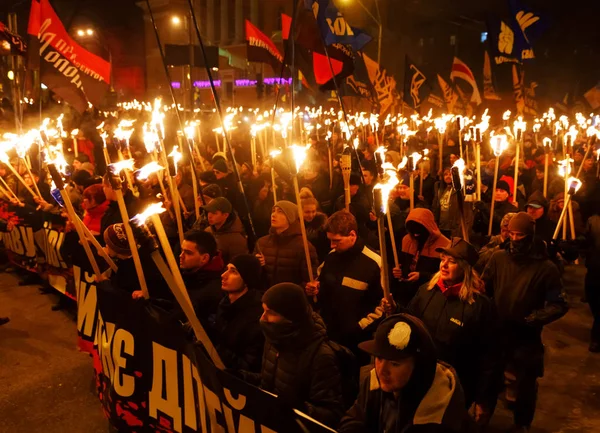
point(46, 384)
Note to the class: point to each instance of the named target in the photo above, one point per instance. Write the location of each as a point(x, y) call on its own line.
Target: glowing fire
point(152, 167)
point(118, 167)
point(152, 209)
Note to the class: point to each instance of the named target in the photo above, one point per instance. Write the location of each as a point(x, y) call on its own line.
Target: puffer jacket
point(285, 261)
point(312, 386)
point(428, 260)
point(231, 238)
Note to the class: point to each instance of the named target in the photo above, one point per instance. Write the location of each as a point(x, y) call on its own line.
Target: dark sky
point(568, 53)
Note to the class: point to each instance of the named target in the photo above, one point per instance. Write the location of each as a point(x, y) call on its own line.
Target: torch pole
point(273, 185)
point(18, 176)
point(493, 196)
point(562, 216)
point(385, 280)
point(73, 216)
point(75, 147)
point(460, 199)
point(516, 177)
point(6, 193)
point(412, 191)
point(546, 161)
point(571, 220)
point(97, 245)
point(116, 185)
point(177, 286)
point(478, 167)
point(441, 156)
point(303, 230)
point(33, 180)
point(393, 239)
point(10, 191)
point(176, 207)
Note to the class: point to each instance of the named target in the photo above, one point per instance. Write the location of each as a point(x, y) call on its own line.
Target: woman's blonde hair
point(472, 282)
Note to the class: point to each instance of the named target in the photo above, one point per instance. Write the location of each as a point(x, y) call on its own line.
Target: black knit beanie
point(289, 300)
point(249, 269)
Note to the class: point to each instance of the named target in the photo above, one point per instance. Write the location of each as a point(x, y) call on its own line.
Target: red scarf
point(448, 291)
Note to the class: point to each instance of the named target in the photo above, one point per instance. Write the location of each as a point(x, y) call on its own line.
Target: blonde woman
point(461, 320)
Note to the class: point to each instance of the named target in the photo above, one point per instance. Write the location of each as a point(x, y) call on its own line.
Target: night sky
point(567, 54)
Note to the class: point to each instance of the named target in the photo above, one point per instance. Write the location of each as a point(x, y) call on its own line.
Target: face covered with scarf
point(417, 231)
point(521, 230)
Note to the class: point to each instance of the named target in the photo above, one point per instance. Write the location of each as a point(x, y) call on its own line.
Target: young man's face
point(218, 174)
point(190, 258)
point(76, 165)
point(278, 219)
point(403, 192)
point(368, 177)
point(342, 243)
point(231, 280)
point(588, 164)
point(448, 177)
point(217, 218)
point(394, 375)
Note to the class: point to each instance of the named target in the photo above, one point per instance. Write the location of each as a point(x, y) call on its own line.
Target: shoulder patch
point(372, 255)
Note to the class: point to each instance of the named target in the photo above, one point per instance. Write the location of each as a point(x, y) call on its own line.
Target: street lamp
point(176, 20)
point(80, 33)
point(89, 33)
point(377, 21)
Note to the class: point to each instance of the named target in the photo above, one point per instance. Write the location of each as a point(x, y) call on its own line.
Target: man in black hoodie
point(528, 293)
point(238, 337)
point(537, 207)
point(201, 267)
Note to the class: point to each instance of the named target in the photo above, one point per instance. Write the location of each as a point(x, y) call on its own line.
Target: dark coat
point(238, 337)
point(428, 189)
point(311, 385)
point(464, 337)
point(440, 410)
point(204, 288)
point(231, 238)
point(350, 291)
point(527, 291)
point(285, 258)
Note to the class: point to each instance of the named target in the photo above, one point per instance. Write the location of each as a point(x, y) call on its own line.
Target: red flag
point(70, 71)
point(260, 48)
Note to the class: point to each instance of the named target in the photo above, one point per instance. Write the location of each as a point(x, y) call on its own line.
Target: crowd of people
point(461, 328)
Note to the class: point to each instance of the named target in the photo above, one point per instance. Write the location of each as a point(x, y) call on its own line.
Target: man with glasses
point(348, 289)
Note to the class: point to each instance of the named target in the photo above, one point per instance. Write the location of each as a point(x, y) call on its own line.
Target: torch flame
point(387, 186)
point(460, 164)
point(547, 142)
point(275, 153)
point(152, 209)
point(499, 144)
point(564, 167)
point(299, 155)
point(152, 167)
point(506, 115)
point(403, 163)
point(574, 183)
point(416, 157)
point(118, 167)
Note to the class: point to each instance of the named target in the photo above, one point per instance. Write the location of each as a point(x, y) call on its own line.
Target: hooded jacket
point(285, 261)
point(350, 291)
point(304, 372)
point(527, 291)
point(440, 410)
point(238, 337)
point(428, 261)
point(231, 238)
point(92, 218)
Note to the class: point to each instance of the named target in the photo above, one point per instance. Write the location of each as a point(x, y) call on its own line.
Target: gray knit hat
point(289, 209)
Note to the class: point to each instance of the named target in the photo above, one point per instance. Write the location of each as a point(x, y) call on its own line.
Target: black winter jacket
point(464, 335)
point(350, 291)
point(527, 291)
point(238, 337)
point(204, 288)
point(310, 385)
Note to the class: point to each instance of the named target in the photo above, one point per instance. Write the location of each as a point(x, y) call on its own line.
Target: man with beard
point(298, 365)
point(349, 283)
point(528, 293)
point(201, 266)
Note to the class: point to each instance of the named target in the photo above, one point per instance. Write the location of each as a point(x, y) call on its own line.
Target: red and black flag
point(310, 45)
point(70, 71)
point(11, 43)
point(262, 49)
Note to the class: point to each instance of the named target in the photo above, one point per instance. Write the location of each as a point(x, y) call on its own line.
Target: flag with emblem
point(530, 22)
point(384, 84)
point(416, 88)
point(450, 96)
point(334, 27)
point(11, 43)
point(489, 92)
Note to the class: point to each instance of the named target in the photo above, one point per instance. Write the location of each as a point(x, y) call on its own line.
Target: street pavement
point(46, 384)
